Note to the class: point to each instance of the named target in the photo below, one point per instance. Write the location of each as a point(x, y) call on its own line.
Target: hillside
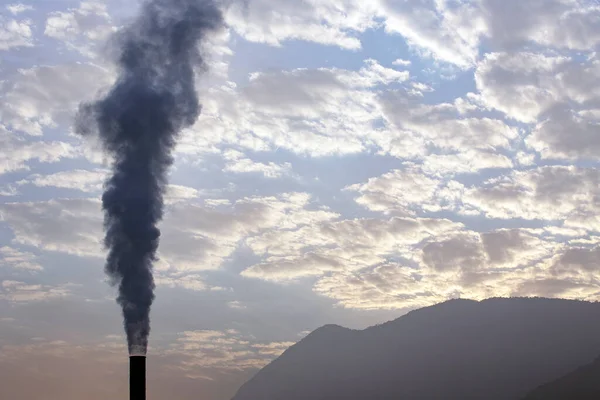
point(496, 349)
point(581, 384)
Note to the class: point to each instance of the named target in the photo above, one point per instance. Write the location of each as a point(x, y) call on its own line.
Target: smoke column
point(138, 121)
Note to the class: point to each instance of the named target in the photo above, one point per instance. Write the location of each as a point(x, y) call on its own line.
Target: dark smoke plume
point(138, 120)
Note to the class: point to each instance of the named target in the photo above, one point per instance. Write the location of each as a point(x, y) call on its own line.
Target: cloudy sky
point(354, 160)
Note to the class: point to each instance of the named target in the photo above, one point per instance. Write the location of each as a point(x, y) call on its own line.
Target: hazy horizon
point(353, 160)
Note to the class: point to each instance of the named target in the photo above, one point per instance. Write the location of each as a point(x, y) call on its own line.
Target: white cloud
point(237, 162)
point(224, 350)
point(321, 112)
point(48, 96)
point(454, 31)
point(80, 27)
point(522, 85)
point(20, 260)
point(92, 181)
point(79, 179)
point(198, 238)
point(560, 95)
point(18, 8)
point(577, 267)
point(17, 151)
point(236, 305)
point(528, 86)
point(61, 25)
point(190, 282)
point(15, 33)
point(407, 191)
point(388, 286)
point(560, 24)
point(317, 21)
point(194, 238)
point(325, 112)
point(461, 264)
point(559, 193)
point(447, 31)
point(567, 134)
point(346, 245)
point(72, 226)
point(401, 62)
point(21, 292)
point(370, 75)
point(179, 193)
point(457, 143)
point(8, 190)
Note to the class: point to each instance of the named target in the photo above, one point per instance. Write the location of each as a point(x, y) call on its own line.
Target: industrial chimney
point(137, 377)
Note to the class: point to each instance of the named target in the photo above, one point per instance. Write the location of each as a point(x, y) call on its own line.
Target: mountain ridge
point(580, 384)
point(459, 347)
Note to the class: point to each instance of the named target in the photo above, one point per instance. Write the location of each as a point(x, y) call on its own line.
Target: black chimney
point(137, 377)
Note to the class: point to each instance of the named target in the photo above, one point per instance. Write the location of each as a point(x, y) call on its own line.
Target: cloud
point(451, 32)
point(237, 162)
point(404, 263)
point(567, 134)
point(92, 181)
point(554, 193)
point(577, 263)
point(558, 93)
point(322, 112)
point(459, 264)
point(18, 8)
point(462, 251)
point(224, 350)
point(283, 269)
point(83, 180)
point(21, 292)
point(72, 226)
point(190, 282)
point(453, 137)
point(448, 32)
point(345, 245)
point(15, 33)
point(18, 151)
point(47, 96)
point(80, 27)
point(401, 62)
point(388, 286)
point(199, 238)
point(315, 21)
point(13, 258)
point(8, 190)
point(236, 305)
point(522, 85)
point(559, 24)
point(179, 193)
point(407, 191)
point(194, 238)
point(511, 248)
point(307, 119)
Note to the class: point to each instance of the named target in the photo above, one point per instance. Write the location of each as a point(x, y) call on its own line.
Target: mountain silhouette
point(581, 384)
point(496, 349)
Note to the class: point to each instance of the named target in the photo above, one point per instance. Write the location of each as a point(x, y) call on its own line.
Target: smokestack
point(137, 377)
point(138, 121)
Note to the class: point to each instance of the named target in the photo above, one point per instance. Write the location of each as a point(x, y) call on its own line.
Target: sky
point(353, 160)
